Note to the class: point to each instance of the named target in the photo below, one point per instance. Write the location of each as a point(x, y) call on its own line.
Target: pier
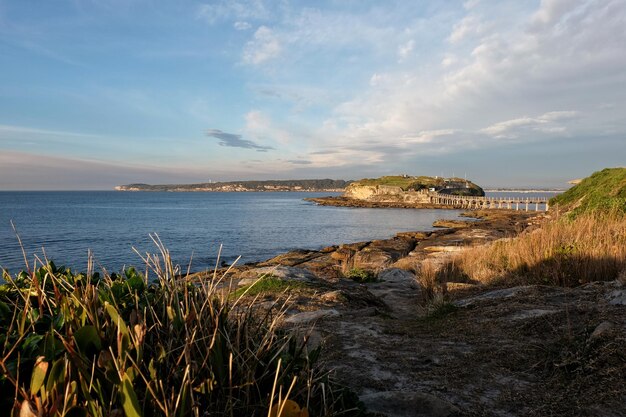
point(472, 202)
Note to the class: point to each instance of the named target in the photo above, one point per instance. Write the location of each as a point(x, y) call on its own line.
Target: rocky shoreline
point(479, 351)
point(341, 201)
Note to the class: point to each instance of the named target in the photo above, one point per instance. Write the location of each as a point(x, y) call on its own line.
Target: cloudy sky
point(95, 93)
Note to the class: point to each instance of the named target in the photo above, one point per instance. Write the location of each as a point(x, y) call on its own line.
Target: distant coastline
point(308, 185)
point(314, 185)
point(525, 190)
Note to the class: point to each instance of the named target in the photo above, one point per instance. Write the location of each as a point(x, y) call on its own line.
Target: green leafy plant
point(361, 275)
point(75, 344)
point(267, 284)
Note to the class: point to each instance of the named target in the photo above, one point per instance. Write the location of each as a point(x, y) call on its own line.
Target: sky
point(97, 93)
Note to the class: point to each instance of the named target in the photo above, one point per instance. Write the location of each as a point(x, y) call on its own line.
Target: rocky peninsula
point(400, 191)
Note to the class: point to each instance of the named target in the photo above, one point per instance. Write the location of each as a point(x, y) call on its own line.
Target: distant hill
point(603, 190)
point(241, 186)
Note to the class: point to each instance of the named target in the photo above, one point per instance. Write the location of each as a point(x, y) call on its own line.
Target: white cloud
point(470, 4)
point(377, 79)
point(470, 25)
point(259, 126)
point(427, 136)
point(239, 25)
point(491, 68)
point(264, 46)
point(546, 123)
point(257, 121)
point(239, 10)
point(551, 11)
point(448, 61)
point(559, 115)
point(300, 35)
point(345, 156)
point(405, 50)
point(510, 69)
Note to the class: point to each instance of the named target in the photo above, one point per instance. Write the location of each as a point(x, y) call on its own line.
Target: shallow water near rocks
point(256, 226)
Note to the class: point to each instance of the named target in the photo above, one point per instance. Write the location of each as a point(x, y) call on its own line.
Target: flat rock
point(309, 316)
point(409, 404)
point(293, 257)
point(443, 248)
point(456, 224)
point(493, 295)
point(602, 330)
point(372, 259)
point(414, 235)
point(617, 297)
point(396, 275)
point(531, 314)
point(282, 272)
point(333, 296)
point(409, 263)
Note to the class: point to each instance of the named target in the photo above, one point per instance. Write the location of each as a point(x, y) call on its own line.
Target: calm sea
point(255, 226)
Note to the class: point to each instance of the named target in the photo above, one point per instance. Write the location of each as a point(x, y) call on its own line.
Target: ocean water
point(64, 226)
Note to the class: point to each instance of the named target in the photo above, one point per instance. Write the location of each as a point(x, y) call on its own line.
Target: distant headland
point(401, 191)
point(326, 185)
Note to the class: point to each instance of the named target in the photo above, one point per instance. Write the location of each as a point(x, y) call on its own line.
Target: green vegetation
point(89, 345)
point(407, 183)
point(361, 275)
point(267, 284)
point(588, 244)
point(603, 190)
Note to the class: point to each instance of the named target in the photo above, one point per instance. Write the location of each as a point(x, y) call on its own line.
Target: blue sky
point(95, 93)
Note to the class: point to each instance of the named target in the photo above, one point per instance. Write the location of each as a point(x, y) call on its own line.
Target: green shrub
point(80, 344)
point(267, 284)
point(361, 275)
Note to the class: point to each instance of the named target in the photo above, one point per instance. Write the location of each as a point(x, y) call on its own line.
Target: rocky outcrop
point(408, 190)
point(386, 194)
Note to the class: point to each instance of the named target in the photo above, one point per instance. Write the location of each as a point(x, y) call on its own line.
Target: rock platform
point(520, 351)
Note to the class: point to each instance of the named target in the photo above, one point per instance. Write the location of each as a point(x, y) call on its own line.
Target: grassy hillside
point(603, 190)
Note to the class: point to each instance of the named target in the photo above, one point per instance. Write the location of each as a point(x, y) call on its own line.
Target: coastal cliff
point(409, 187)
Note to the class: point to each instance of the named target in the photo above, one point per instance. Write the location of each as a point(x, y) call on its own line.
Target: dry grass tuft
point(565, 252)
point(428, 279)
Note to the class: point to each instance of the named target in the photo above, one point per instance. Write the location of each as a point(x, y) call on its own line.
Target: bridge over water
point(471, 202)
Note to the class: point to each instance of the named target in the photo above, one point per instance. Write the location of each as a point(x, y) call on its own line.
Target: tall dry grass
point(563, 251)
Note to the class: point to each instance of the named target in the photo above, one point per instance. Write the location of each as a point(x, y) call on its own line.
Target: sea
point(118, 228)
